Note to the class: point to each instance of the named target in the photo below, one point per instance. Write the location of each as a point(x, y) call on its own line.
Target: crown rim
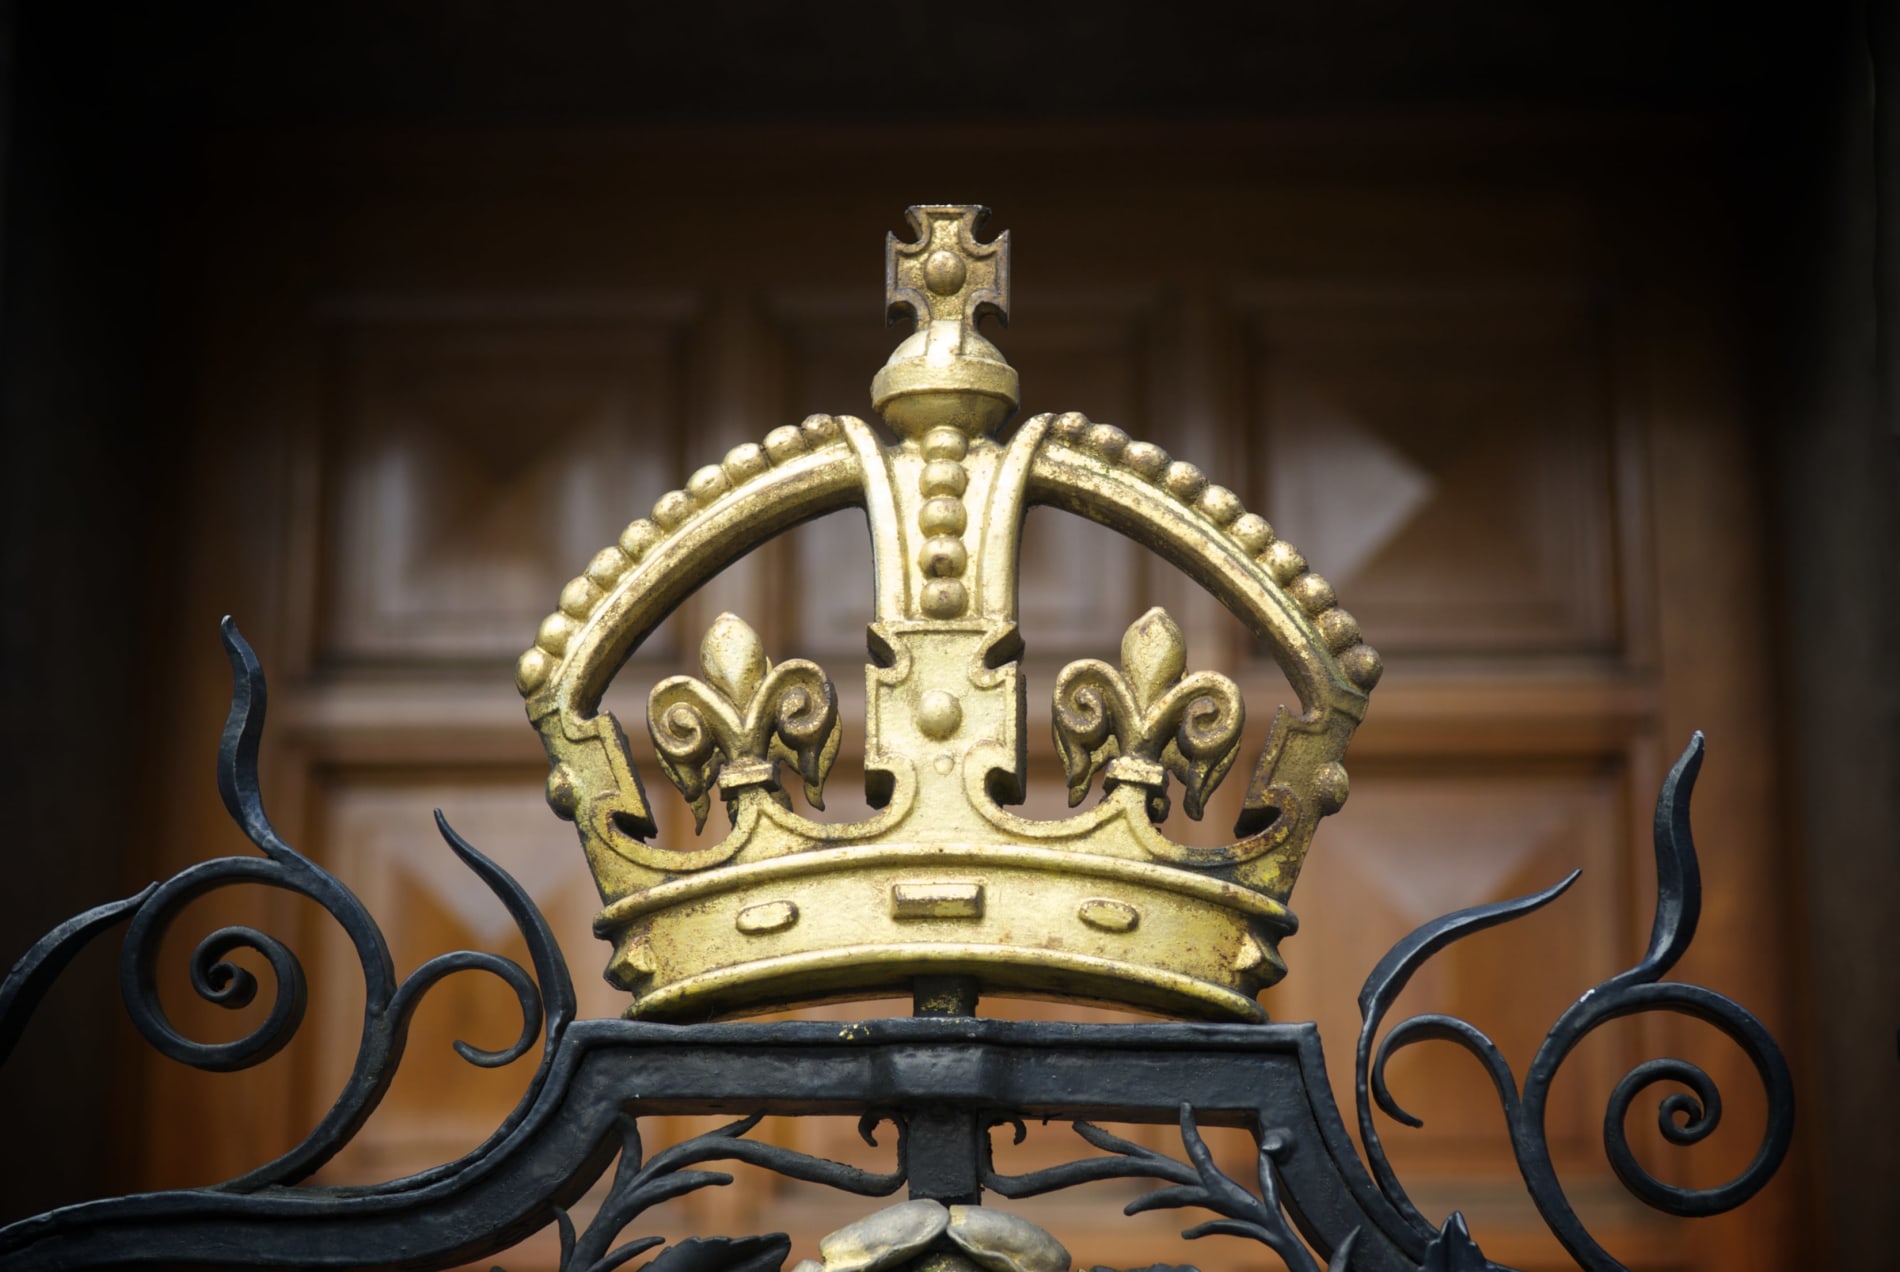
point(701, 886)
point(768, 984)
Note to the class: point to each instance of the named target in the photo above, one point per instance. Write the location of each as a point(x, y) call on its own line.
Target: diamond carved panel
point(470, 462)
point(1446, 460)
point(376, 831)
point(1421, 840)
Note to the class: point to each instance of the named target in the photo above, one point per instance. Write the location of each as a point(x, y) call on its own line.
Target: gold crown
point(943, 880)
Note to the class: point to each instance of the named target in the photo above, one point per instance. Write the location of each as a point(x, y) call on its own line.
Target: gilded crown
point(943, 879)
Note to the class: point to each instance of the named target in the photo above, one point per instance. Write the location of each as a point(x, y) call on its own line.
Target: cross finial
point(946, 273)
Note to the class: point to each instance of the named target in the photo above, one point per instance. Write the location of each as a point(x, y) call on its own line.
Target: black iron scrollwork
point(389, 1003)
point(1684, 1117)
point(641, 1184)
point(581, 1107)
point(1197, 1182)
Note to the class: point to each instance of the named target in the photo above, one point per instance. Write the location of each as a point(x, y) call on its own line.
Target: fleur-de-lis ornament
point(1147, 720)
point(736, 726)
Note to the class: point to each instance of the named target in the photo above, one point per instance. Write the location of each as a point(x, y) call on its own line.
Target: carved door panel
point(1514, 454)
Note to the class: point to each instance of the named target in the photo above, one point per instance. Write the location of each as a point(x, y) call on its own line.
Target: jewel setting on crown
point(943, 880)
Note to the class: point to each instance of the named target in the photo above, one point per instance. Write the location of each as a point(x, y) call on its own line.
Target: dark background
point(108, 107)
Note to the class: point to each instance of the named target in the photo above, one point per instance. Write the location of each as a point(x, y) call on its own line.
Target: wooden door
point(1490, 399)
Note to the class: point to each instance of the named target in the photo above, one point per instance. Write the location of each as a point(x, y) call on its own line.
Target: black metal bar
point(1260, 1076)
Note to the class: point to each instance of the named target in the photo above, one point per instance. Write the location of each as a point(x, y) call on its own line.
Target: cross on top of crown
point(946, 273)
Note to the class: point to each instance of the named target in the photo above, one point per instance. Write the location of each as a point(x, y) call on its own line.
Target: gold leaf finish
point(942, 879)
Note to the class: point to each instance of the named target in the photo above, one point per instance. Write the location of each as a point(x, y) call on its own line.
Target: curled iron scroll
point(1683, 1117)
point(546, 999)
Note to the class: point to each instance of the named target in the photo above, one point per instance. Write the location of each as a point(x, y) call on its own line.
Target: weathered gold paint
point(943, 880)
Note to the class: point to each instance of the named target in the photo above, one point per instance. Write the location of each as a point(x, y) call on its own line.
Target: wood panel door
point(1497, 409)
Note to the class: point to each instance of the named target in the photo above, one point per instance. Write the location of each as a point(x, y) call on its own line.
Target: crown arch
point(630, 587)
point(1095, 471)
